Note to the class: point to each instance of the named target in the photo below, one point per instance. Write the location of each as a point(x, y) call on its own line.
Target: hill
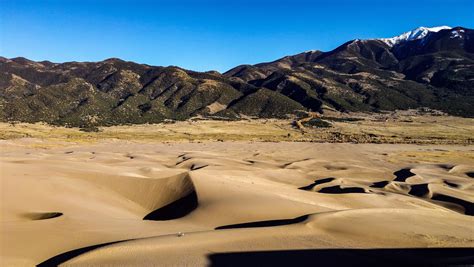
point(422, 68)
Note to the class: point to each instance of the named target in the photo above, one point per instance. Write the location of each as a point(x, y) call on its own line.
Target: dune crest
point(87, 204)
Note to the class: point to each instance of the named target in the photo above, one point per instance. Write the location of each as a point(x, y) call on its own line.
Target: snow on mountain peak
point(415, 34)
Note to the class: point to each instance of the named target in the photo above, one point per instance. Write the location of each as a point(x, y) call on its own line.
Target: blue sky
point(208, 34)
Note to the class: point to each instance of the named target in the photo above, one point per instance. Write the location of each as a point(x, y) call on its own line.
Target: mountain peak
point(113, 60)
point(434, 71)
point(415, 34)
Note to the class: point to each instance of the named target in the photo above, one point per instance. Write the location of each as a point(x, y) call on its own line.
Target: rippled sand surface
point(122, 203)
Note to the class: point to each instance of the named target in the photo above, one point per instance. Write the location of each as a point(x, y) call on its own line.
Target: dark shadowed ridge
point(380, 184)
point(42, 215)
point(63, 257)
point(454, 185)
point(268, 223)
point(468, 206)
point(175, 210)
point(317, 182)
point(419, 190)
point(348, 257)
point(341, 190)
point(403, 174)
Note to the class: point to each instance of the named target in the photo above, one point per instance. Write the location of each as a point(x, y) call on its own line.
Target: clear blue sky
point(208, 34)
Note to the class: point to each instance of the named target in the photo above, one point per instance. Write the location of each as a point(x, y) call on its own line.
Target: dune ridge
point(142, 204)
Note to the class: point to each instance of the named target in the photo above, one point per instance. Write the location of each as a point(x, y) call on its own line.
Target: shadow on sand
point(175, 210)
point(348, 257)
point(63, 257)
point(403, 174)
point(268, 223)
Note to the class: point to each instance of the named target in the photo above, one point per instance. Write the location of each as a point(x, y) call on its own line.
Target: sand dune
point(117, 202)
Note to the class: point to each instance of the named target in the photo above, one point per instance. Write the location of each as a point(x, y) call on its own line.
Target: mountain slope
point(114, 91)
point(422, 68)
point(418, 33)
point(432, 69)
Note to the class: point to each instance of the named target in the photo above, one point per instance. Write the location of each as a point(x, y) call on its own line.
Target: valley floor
point(401, 127)
point(117, 202)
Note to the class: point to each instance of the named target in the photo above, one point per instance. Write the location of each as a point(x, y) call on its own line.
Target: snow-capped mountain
point(415, 34)
point(432, 70)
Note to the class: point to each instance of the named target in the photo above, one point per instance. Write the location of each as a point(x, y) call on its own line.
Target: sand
point(213, 202)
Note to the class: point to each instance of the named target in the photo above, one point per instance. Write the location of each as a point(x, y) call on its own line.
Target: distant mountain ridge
point(418, 33)
point(423, 68)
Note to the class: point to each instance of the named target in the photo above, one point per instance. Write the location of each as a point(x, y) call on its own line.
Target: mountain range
point(425, 67)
